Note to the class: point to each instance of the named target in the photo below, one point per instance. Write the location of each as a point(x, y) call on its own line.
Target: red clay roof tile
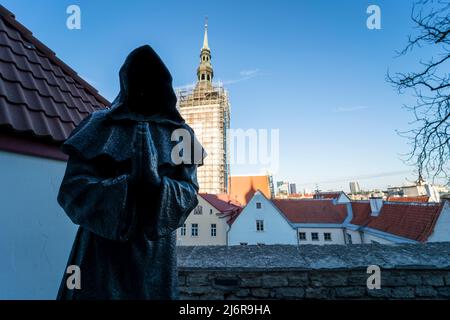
point(327, 195)
point(414, 221)
point(409, 199)
point(225, 204)
point(39, 94)
point(311, 211)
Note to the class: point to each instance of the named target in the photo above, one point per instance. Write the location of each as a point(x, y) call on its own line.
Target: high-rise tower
point(206, 109)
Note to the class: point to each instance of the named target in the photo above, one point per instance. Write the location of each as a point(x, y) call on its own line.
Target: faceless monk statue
point(124, 189)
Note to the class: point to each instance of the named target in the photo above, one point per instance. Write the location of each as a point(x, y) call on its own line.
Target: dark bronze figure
point(125, 191)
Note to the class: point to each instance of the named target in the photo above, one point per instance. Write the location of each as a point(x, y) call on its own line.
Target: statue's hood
point(146, 92)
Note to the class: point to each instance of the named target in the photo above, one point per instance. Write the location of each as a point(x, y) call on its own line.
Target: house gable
point(441, 230)
point(277, 230)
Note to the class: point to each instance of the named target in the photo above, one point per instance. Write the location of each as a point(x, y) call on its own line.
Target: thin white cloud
point(244, 76)
point(350, 109)
point(249, 73)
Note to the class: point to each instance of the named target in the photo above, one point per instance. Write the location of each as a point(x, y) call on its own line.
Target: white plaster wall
point(369, 238)
point(337, 236)
point(343, 199)
point(356, 236)
point(36, 236)
point(276, 229)
point(204, 222)
point(441, 231)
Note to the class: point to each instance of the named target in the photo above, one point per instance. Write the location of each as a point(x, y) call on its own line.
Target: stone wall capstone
point(407, 271)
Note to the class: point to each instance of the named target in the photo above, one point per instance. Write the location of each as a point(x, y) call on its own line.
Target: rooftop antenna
point(317, 189)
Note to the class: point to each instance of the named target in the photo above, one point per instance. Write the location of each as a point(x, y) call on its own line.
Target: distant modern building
point(339, 221)
point(419, 189)
point(292, 188)
point(354, 187)
point(206, 109)
point(209, 223)
point(242, 188)
point(283, 189)
point(42, 99)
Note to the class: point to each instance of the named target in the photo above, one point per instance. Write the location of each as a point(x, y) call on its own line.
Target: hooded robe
point(126, 192)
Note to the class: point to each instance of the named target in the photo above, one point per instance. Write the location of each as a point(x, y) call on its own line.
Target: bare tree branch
point(430, 133)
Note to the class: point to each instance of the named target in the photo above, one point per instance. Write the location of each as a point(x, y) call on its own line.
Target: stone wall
point(314, 272)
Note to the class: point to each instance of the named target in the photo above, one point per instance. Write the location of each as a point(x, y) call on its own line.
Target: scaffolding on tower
point(206, 108)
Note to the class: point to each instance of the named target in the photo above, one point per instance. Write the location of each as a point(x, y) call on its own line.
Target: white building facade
point(260, 222)
point(208, 224)
point(364, 222)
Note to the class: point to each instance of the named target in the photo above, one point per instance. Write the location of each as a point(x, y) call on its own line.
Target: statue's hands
point(136, 158)
point(149, 173)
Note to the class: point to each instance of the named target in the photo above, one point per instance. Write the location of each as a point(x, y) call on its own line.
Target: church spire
point(205, 70)
point(205, 37)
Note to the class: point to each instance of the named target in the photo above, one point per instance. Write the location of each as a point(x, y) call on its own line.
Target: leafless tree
point(429, 134)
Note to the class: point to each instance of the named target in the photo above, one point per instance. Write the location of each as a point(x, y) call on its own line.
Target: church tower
point(206, 109)
point(205, 71)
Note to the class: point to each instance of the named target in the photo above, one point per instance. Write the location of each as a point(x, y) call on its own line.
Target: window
point(183, 230)
point(314, 236)
point(243, 243)
point(198, 210)
point(203, 76)
point(349, 238)
point(259, 225)
point(213, 230)
point(194, 230)
point(302, 236)
point(327, 236)
point(208, 78)
point(210, 211)
point(258, 205)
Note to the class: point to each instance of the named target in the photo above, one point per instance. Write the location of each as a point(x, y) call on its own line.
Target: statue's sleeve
point(168, 192)
point(177, 198)
point(95, 202)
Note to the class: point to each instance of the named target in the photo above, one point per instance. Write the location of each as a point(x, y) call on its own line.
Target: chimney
point(376, 203)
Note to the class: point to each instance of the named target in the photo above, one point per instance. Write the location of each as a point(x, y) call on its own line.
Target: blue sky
point(309, 68)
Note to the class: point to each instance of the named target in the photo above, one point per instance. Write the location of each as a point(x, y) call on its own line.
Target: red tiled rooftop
point(243, 188)
point(361, 213)
point(327, 195)
point(224, 203)
point(40, 95)
point(311, 211)
point(414, 221)
point(409, 199)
